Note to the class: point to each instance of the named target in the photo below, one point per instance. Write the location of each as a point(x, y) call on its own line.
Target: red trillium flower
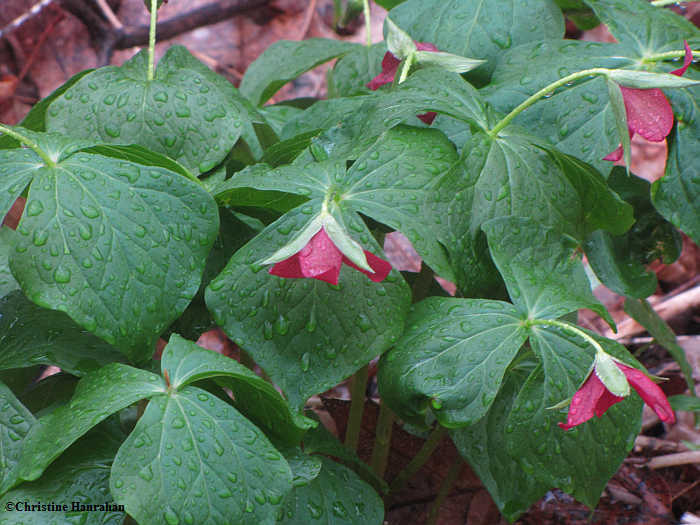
point(593, 398)
point(321, 259)
point(649, 112)
point(390, 65)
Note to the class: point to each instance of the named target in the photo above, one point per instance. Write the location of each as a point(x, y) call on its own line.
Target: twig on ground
point(672, 460)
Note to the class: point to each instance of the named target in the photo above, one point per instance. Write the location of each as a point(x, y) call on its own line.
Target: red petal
point(649, 113)
point(686, 62)
point(426, 46)
point(615, 155)
point(389, 66)
point(584, 403)
point(380, 266)
point(319, 259)
point(607, 400)
point(649, 392)
point(428, 117)
point(289, 268)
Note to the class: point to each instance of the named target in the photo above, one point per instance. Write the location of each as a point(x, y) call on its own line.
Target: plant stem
point(337, 12)
point(368, 24)
point(357, 407)
point(419, 459)
point(382, 440)
point(152, 40)
point(668, 54)
point(445, 488)
point(571, 329)
point(30, 143)
point(406, 67)
point(541, 93)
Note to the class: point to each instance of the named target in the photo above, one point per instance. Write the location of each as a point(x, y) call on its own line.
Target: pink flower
point(649, 112)
point(593, 398)
point(321, 259)
point(390, 65)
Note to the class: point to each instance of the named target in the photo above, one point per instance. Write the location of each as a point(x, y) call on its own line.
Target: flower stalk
point(152, 40)
point(357, 407)
point(382, 440)
point(29, 143)
point(419, 459)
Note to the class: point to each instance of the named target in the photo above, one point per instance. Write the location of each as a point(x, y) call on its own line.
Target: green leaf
point(256, 398)
point(389, 4)
point(98, 395)
point(577, 119)
point(336, 496)
point(278, 115)
point(544, 277)
point(616, 267)
point(618, 261)
point(677, 193)
point(286, 151)
point(309, 180)
point(320, 441)
point(582, 460)
point(15, 423)
point(30, 335)
point(390, 183)
point(642, 26)
point(141, 155)
point(148, 3)
point(118, 246)
point(300, 331)
point(453, 356)
point(353, 71)
point(362, 119)
point(7, 280)
point(578, 13)
point(79, 477)
point(186, 112)
point(483, 444)
point(516, 175)
point(642, 312)
point(192, 458)
point(304, 467)
point(479, 29)
point(284, 61)
point(685, 403)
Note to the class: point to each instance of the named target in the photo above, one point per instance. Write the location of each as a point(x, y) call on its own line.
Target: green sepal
point(610, 375)
point(618, 105)
point(399, 43)
point(447, 61)
point(648, 80)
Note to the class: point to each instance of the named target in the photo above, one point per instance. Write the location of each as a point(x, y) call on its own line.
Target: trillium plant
point(159, 203)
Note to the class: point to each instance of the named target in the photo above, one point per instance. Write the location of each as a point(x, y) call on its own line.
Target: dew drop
point(34, 208)
point(62, 274)
point(170, 517)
